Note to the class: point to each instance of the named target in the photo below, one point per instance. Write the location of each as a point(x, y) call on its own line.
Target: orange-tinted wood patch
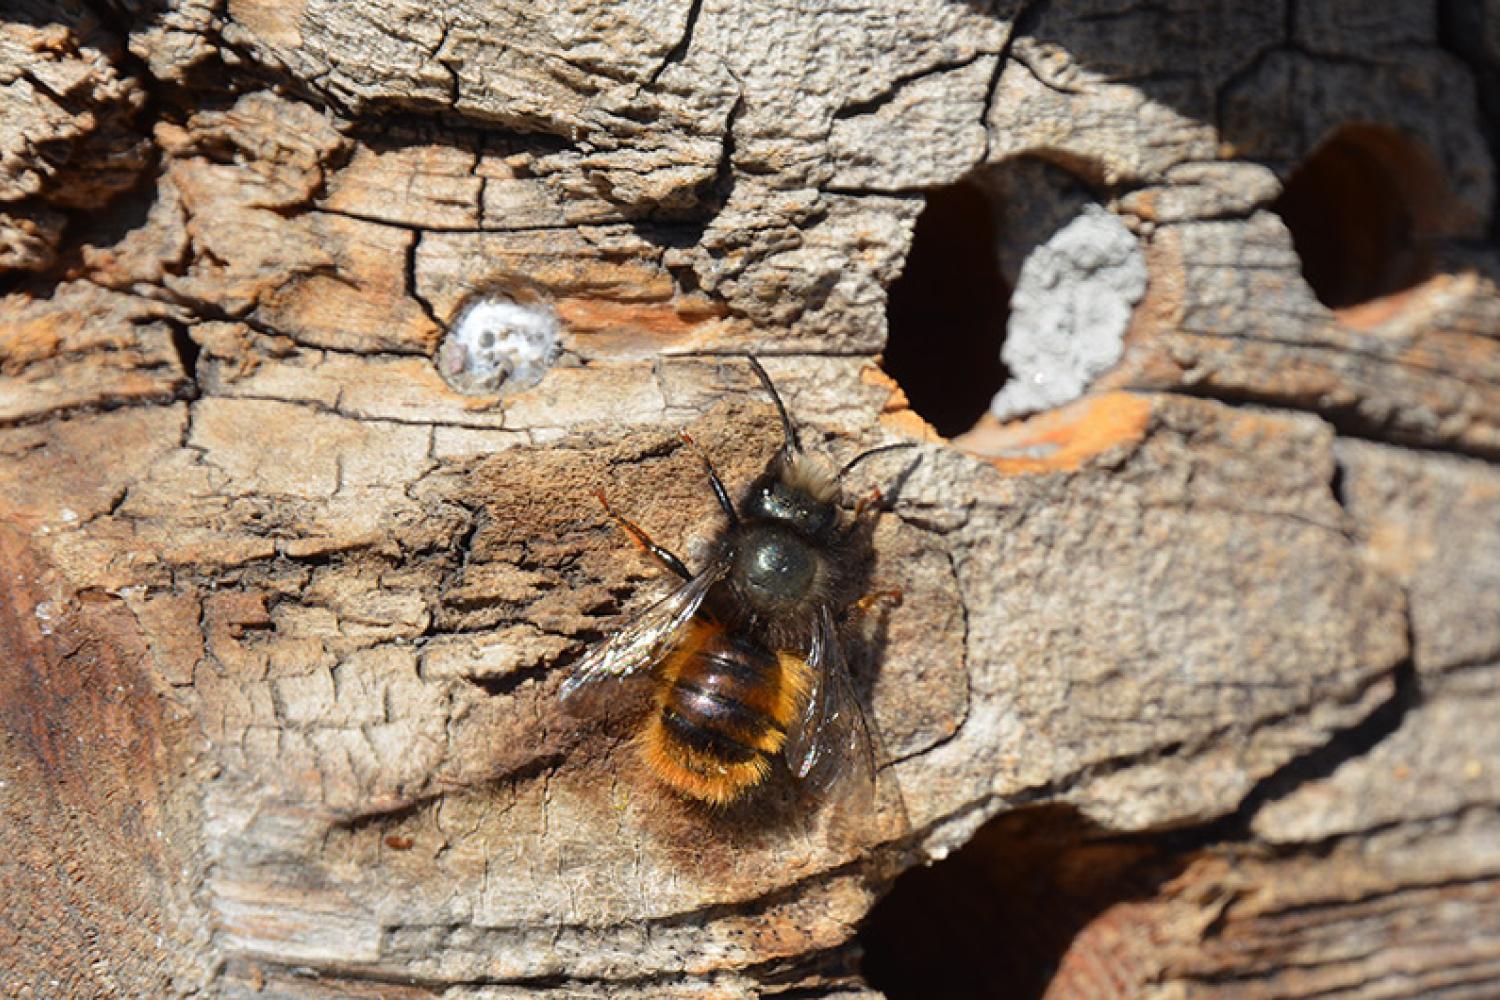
point(1061, 440)
point(677, 318)
point(896, 413)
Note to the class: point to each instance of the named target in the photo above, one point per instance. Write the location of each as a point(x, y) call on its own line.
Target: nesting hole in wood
point(1365, 210)
point(504, 338)
point(948, 310)
point(1002, 916)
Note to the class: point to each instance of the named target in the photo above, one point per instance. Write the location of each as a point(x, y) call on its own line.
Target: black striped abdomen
point(723, 709)
point(723, 700)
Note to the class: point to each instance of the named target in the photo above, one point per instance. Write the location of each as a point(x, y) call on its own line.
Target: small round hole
point(947, 312)
point(1364, 210)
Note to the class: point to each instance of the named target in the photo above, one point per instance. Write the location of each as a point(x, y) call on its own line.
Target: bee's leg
point(644, 541)
point(885, 598)
point(713, 479)
point(870, 501)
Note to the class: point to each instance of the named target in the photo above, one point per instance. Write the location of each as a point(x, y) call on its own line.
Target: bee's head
point(798, 491)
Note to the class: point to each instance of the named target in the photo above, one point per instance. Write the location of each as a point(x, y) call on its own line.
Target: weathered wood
point(286, 614)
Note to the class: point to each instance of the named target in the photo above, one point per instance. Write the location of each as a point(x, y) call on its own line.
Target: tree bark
point(1195, 677)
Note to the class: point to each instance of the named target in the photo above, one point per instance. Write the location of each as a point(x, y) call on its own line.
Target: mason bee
point(745, 653)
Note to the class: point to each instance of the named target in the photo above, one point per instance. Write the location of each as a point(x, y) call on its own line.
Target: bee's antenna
point(792, 444)
point(898, 446)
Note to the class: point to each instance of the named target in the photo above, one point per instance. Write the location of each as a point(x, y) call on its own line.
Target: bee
point(746, 653)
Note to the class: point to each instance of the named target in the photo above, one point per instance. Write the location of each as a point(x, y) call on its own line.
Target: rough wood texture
point(285, 615)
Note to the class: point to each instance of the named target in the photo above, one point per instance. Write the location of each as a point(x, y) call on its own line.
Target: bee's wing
point(645, 640)
point(829, 736)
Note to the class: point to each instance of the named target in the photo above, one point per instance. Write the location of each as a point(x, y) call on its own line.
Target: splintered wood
point(285, 615)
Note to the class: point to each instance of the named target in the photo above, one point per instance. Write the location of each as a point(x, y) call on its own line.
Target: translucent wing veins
point(831, 732)
point(646, 639)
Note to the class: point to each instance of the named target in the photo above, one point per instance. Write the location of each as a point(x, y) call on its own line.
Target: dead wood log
point(1194, 686)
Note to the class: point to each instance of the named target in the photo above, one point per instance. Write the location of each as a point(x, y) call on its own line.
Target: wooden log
point(1191, 692)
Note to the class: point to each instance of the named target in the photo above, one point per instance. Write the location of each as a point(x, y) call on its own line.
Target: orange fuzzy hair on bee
point(697, 775)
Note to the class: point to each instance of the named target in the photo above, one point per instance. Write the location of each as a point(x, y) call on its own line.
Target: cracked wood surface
point(285, 616)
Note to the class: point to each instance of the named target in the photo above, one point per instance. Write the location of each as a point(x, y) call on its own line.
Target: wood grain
point(285, 614)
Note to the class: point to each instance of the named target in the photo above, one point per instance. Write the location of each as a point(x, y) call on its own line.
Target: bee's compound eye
point(764, 502)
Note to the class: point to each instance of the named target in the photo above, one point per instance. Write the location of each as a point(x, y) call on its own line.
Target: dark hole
point(1337, 485)
point(1468, 28)
point(996, 918)
point(1353, 209)
point(947, 312)
point(187, 350)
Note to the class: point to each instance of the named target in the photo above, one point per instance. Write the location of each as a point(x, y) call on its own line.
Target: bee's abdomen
point(706, 736)
point(721, 703)
point(723, 711)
